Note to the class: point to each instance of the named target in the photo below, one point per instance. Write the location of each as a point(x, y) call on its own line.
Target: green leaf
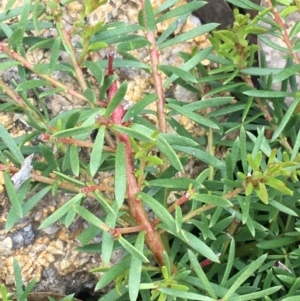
point(286, 73)
point(135, 269)
point(169, 70)
point(190, 34)
point(184, 295)
point(267, 94)
point(113, 273)
point(121, 63)
point(31, 84)
point(229, 263)
point(25, 13)
point(180, 10)
point(96, 154)
point(169, 153)
point(97, 46)
point(158, 209)
point(29, 205)
point(88, 216)
point(259, 71)
point(59, 213)
point(165, 5)
point(132, 250)
point(48, 154)
point(132, 45)
point(107, 243)
point(106, 207)
point(10, 143)
point(178, 218)
point(35, 16)
point(68, 179)
point(194, 116)
point(96, 71)
point(246, 273)
point(139, 106)
point(120, 174)
point(180, 140)
point(171, 29)
point(282, 208)
point(278, 185)
point(194, 242)
point(276, 243)
point(212, 199)
point(75, 131)
point(201, 275)
point(8, 64)
point(245, 206)
point(55, 51)
point(208, 103)
point(9, 5)
point(262, 193)
point(116, 100)
point(69, 217)
point(74, 159)
point(260, 295)
point(132, 133)
point(174, 183)
point(285, 119)
point(13, 198)
point(149, 18)
point(18, 279)
point(202, 155)
point(72, 120)
point(191, 63)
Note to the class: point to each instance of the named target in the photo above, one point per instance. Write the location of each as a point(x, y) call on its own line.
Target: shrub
point(231, 232)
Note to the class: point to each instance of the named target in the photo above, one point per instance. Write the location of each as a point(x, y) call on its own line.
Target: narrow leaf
point(11, 144)
point(133, 133)
point(74, 159)
point(113, 273)
point(31, 84)
point(180, 10)
point(169, 153)
point(139, 106)
point(190, 34)
point(276, 243)
point(247, 272)
point(108, 240)
point(120, 174)
point(169, 70)
point(116, 100)
point(201, 275)
point(149, 18)
point(285, 119)
point(59, 213)
point(75, 131)
point(132, 250)
point(55, 50)
point(212, 199)
point(96, 154)
point(13, 196)
point(96, 71)
point(135, 269)
point(158, 209)
point(194, 116)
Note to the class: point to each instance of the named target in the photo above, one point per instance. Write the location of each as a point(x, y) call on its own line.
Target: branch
point(27, 65)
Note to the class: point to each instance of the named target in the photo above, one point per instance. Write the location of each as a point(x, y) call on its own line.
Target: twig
point(285, 36)
point(51, 80)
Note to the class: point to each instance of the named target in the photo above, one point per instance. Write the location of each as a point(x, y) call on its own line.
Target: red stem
point(136, 207)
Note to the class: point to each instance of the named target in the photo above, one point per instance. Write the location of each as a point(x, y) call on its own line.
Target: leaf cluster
point(231, 230)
